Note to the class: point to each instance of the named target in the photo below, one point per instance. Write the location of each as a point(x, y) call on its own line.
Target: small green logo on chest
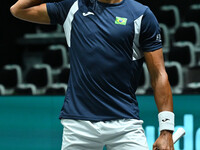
point(120, 20)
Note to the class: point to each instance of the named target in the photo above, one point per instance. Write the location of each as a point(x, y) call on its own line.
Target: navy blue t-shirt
point(106, 44)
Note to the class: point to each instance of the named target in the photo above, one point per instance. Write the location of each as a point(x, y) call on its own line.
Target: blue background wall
point(31, 122)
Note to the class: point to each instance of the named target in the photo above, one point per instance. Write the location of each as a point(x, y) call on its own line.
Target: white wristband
point(166, 120)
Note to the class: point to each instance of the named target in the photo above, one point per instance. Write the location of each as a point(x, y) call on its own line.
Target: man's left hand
point(164, 141)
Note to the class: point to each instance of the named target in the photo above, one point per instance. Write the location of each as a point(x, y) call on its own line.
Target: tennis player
point(108, 41)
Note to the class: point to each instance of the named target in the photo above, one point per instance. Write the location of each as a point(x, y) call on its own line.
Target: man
point(108, 42)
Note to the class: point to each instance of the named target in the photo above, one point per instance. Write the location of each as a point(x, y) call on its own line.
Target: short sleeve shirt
point(106, 44)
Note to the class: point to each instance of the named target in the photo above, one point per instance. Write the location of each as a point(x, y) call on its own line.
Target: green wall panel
point(31, 122)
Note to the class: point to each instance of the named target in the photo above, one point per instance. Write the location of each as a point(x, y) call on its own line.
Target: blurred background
point(34, 59)
point(35, 66)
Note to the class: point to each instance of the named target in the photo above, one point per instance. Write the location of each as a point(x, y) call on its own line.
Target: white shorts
point(123, 134)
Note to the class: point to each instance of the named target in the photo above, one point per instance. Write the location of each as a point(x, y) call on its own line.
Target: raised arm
point(163, 97)
point(31, 10)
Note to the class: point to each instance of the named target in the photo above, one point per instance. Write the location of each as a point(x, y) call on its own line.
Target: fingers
point(164, 142)
point(155, 148)
point(163, 148)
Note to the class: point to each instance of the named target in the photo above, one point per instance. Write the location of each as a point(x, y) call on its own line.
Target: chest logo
point(120, 20)
point(88, 13)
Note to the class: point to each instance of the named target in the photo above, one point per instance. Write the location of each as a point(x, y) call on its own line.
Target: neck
point(110, 1)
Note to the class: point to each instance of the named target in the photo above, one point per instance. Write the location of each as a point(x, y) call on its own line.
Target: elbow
point(159, 80)
point(153, 84)
point(13, 10)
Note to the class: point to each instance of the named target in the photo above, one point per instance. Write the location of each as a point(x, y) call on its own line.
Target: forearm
point(162, 92)
point(24, 4)
point(31, 10)
point(21, 5)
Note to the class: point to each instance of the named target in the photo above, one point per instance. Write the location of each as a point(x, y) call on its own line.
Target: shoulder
point(137, 9)
point(58, 11)
point(61, 5)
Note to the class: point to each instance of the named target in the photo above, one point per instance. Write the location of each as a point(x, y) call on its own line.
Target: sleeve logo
point(158, 37)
